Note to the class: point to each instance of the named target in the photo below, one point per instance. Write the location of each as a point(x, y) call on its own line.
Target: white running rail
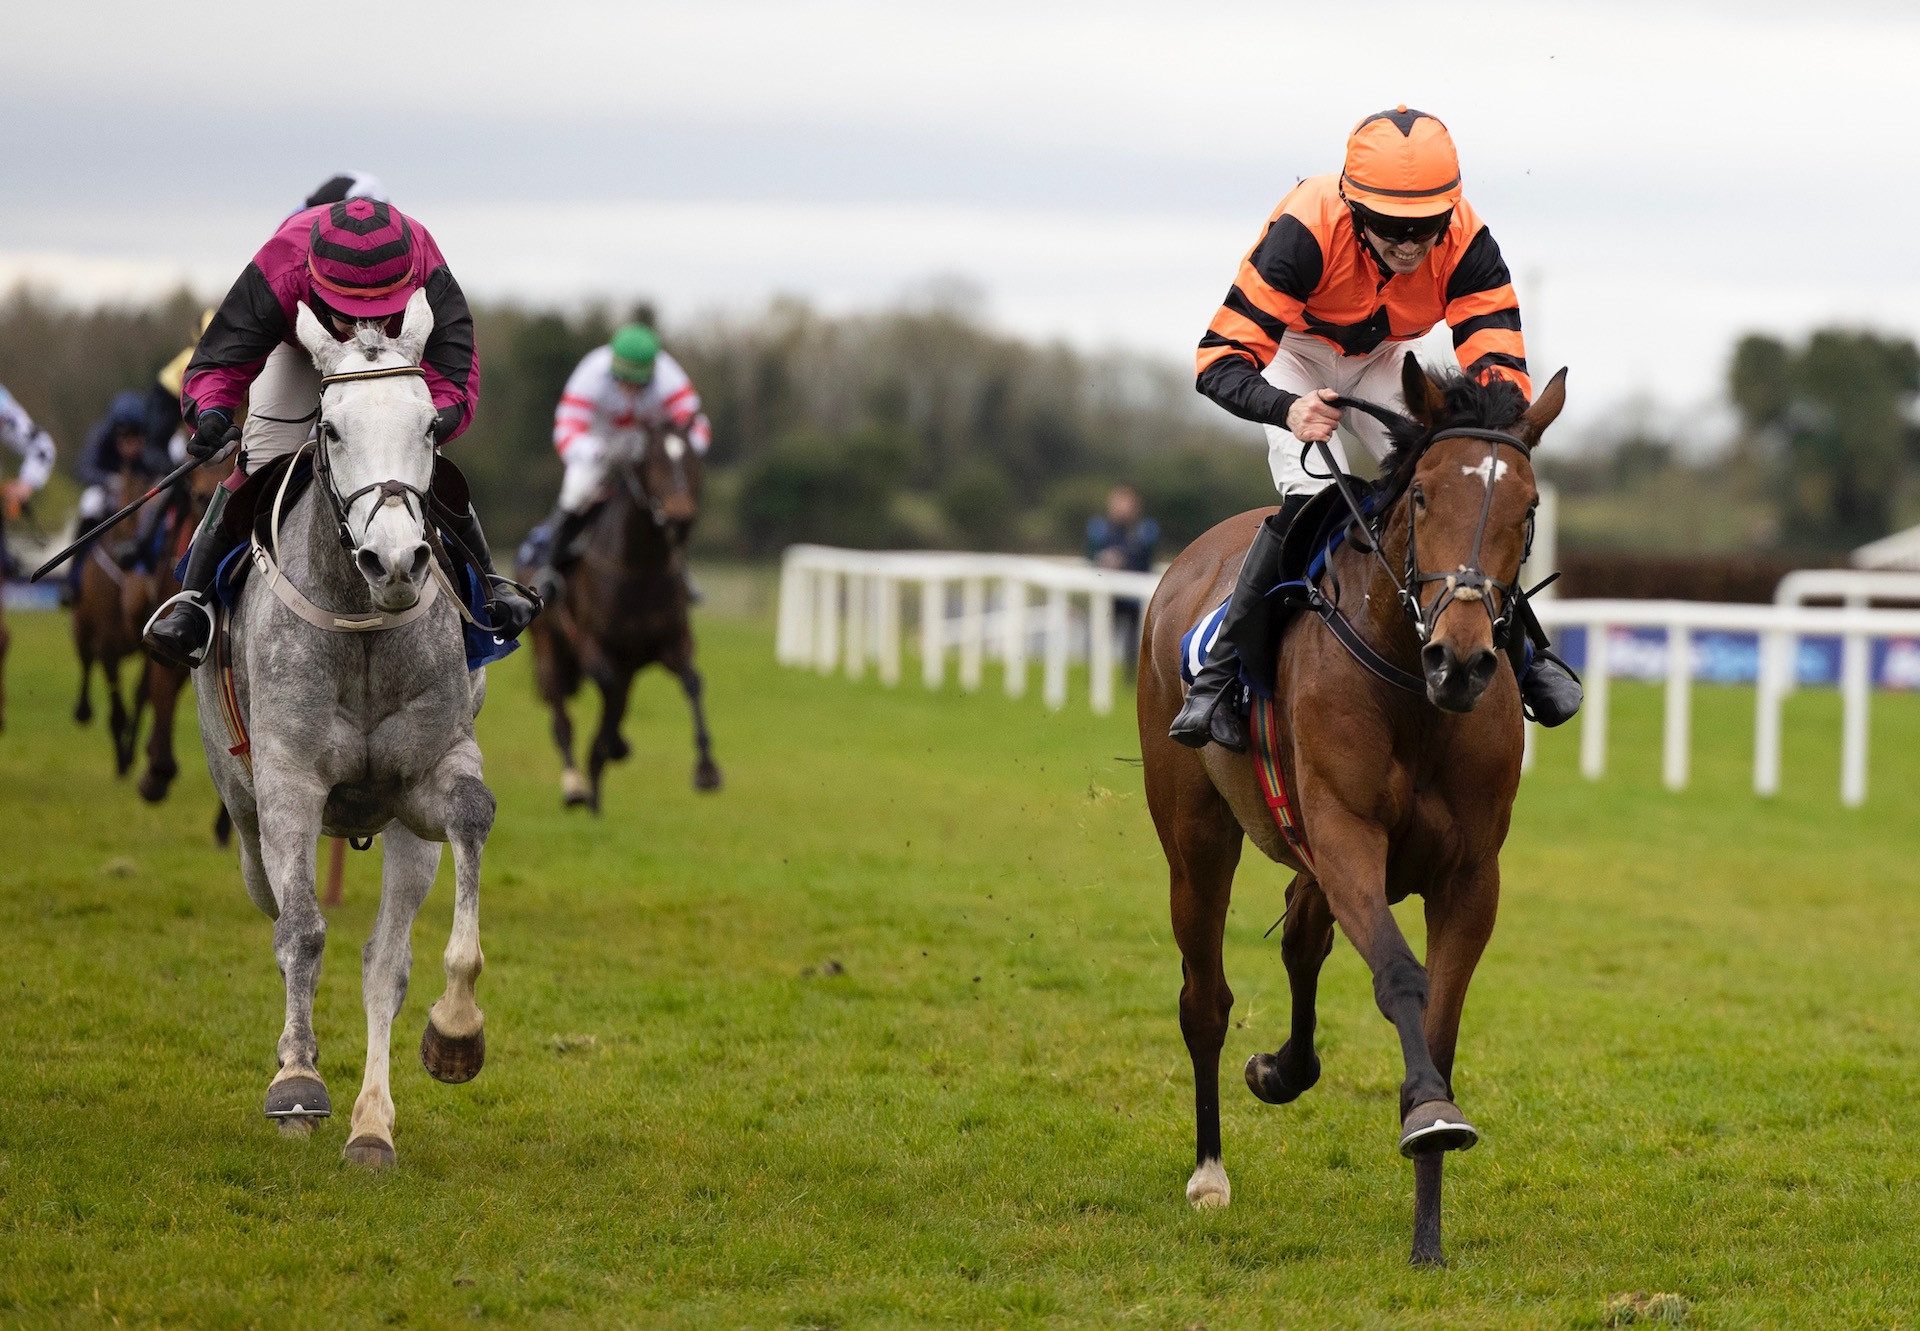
point(841, 609)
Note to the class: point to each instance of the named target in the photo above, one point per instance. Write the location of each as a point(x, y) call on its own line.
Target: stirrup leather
point(188, 597)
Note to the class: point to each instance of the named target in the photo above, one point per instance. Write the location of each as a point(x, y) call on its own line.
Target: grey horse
point(355, 710)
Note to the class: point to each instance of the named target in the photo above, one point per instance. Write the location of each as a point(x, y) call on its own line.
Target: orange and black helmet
point(1401, 163)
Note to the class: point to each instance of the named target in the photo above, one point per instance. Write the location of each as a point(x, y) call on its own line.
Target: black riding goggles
point(1402, 230)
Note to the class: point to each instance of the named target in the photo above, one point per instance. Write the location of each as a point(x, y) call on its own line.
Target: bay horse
point(342, 666)
point(625, 606)
point(1401, 771)
point(160, 684)
point(112, 605)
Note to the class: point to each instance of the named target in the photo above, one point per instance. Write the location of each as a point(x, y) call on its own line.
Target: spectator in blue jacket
point(1124, 539)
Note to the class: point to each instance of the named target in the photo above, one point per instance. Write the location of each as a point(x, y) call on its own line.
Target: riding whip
point(160, 486)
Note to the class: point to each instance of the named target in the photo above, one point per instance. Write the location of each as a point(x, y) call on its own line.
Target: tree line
point(920, 425)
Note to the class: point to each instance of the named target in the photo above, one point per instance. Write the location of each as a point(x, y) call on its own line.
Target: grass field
point(884, 1034)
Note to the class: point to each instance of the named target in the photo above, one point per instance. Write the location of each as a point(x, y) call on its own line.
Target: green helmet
point(634, 350)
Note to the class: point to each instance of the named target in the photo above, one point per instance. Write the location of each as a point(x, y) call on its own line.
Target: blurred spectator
point(1124, 539)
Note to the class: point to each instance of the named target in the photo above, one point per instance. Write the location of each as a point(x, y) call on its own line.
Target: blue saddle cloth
point(1318, 530)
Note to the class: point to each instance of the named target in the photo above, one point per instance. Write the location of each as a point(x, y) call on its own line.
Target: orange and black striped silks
point(1311, 275)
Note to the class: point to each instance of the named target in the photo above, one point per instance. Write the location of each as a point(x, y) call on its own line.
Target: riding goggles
point(1402, 230)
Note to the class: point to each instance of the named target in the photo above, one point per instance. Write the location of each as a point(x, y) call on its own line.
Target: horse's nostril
point(1480, 669)
point(372, 566)
point(417, 566)
point(1436, 658)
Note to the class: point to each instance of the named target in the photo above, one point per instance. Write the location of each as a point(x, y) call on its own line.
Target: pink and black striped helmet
point(361, 259)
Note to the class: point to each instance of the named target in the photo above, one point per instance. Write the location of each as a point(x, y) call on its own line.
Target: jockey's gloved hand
point(213, 430)
point(445, 422)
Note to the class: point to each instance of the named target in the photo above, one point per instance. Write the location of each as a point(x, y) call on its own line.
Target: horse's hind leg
point(407, 868)
point(1459, 923)
point(454, 1045)
point(289, 824)
point(162, 688)
point(706, 774)
point(1305, 941)
point(1202, 844)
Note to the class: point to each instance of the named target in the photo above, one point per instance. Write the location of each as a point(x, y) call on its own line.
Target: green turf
point(884, 1034)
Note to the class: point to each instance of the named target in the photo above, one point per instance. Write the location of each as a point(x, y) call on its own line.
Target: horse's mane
point(1494, 405)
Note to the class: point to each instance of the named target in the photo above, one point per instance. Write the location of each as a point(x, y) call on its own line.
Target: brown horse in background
point(625, 607)
point(1398, 788)
point(108, 614)
point(160, 684)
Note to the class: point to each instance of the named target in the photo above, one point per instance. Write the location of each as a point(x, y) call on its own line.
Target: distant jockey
point(612, 398)
point(353, 260)
point(35, 448)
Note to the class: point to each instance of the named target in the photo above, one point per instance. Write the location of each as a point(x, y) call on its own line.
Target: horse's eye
point(1419, 499)
point(328, 432)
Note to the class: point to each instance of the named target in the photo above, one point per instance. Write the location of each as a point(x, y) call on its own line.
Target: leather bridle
point(1468, 582)
point(387, 490)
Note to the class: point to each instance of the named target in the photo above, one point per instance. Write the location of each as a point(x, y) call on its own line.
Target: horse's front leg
point(289, 808)
point(454, 1044)
point(118, 719)
point(1459, 923)
point(607, 744)
point(162, 689)
point(408, 865)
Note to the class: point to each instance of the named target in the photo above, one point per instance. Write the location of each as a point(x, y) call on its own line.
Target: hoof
point(573, 790)
point(1271, 1079)
point(618, 750)
point(452, 1060)
point(1208, 1189)
point(155, 784)
point(706, 777)
point(1437, 1125)
point(83, 714)
point(298, 1097)
point(369, 1151)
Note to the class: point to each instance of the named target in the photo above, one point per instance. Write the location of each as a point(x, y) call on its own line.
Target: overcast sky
point(1661, 177)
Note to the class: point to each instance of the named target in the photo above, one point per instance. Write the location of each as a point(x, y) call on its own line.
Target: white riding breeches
point(591, 458)
point(1303, 364)
point(283, 407)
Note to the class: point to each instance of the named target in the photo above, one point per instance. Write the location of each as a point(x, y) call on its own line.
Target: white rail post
point(1100, 652)
point(1055, 688)
point(1593, 716)
point(859, 598)
point(973, 631)
point(1769, 698)
point(826, 620)
point(1679, 709)
point(795, 641)
point(886, 628)
point(1013, 635)
point(1527, 745)
point(933, 614)
point(1855, 687)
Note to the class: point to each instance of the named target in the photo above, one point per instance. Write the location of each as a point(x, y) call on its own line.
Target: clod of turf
point(573, 1044)
point(1647, 1310)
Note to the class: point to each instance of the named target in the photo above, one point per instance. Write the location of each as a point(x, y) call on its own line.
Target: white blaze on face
point(1488, 470)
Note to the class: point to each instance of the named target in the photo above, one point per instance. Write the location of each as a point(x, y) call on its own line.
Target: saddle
point(1318, 529)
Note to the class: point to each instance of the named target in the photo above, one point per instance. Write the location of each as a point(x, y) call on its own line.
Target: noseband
point(388, 490)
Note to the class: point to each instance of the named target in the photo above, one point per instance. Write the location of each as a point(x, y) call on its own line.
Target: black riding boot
point(1550, 692)
point(182, 627)
point(1213, 711)
point(564, 529)
point(508, 608)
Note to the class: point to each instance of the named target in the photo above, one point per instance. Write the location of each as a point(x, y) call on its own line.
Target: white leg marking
point(1208, 1189)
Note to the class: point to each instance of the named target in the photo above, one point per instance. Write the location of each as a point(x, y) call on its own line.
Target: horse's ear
point(325, 349)
point(1424, 398)
point(1545, 408)
point(412, 342)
